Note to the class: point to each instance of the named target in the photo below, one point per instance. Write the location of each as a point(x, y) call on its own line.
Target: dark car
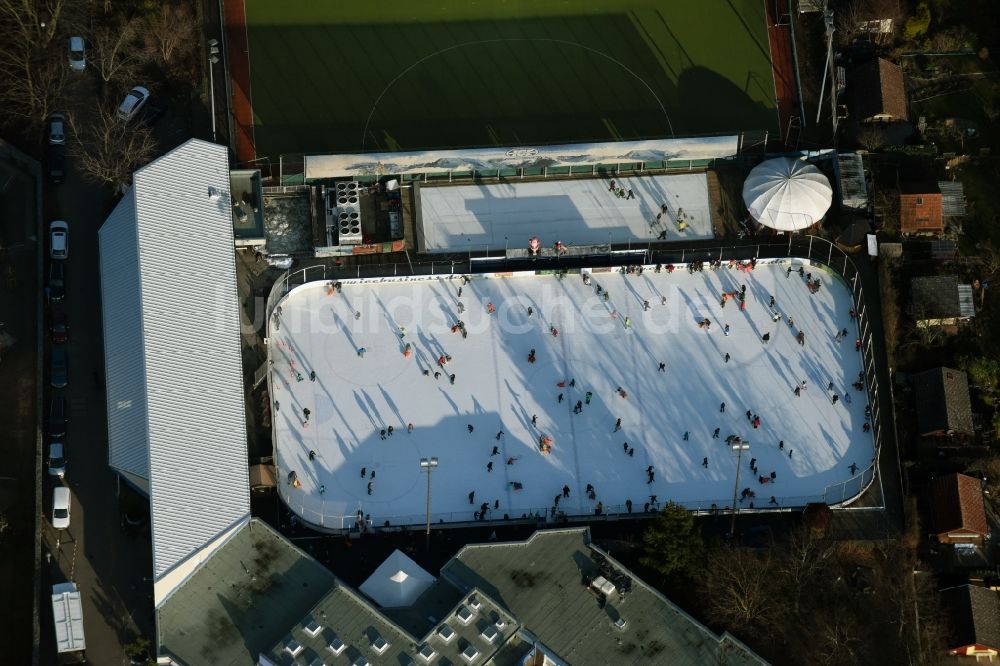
point(59, 327)
point(55, 164)
point(57, 417)
point(59, 370)
point(57, 281)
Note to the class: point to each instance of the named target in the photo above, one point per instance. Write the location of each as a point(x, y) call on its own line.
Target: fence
point(819, 251)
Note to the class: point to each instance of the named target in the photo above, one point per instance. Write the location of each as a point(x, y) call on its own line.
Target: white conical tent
point(787, 194)
point(397, 582)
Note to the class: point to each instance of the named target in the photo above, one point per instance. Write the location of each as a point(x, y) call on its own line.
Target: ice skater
point(534, 420)
point(312, 375)
point(704, 463)
point(565, 491)
point(715, 434)
point(766, 338)
point(472, 497)
point(495, 452)
point(560, 398)
point(722, 407)
point(588, 397)
point(727, 357)
point(364, 472)
point(686, 435)
point(489, 466)
point(663, 367)
point(853, 468)
point(471, 428)
point(371, 487)
point(389, 431)
point(618, 425)
point(382, 433)
point(531, 311)
point(578, 407)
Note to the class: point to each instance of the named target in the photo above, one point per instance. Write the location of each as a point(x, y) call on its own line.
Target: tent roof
point(397, 582)
point(787, 194)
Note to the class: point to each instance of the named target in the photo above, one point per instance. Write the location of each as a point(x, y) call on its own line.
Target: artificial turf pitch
point(409, 74)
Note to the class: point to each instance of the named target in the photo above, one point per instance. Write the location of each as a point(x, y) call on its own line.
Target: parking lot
point(109, 563)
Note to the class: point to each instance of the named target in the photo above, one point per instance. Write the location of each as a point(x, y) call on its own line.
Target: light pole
point(739, 447)
point(428, 465)
point(213, 50)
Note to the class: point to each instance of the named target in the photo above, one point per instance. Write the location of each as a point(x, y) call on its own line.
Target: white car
point(57, 460)
point(77, 54)
point(133, 102)
point(57, 129)
point(59, 239)
point(60, 508)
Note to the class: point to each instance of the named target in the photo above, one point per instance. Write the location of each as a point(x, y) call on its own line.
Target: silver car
point(133, 102)
point(77, 54)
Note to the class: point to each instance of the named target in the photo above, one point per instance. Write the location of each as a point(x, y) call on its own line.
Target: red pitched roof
point(920, 211)
point(879, 90)
point(958, 504)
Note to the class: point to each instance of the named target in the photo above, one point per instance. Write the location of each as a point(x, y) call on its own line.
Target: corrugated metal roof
point(851, 174)
point(966, 306)
point(952, 198)
point(124, 365)
point(189, 332)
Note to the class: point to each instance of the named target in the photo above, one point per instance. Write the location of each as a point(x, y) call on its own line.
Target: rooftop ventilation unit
point(344, 212)
point(336, 645)
point(427, 653)
point(470, 653)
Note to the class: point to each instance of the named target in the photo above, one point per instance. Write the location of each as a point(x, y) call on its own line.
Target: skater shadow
point(437, 349)
point(520, 413)
point(392, 405)
point(342, 325)
point(477, 408)
point(451, 402)
point(393, 326)
point(360, 400)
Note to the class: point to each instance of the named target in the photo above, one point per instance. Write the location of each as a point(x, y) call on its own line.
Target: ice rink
point(457, 218)
point(603, 345)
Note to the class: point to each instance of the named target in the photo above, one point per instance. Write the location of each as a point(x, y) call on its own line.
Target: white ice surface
point(496, 389)
point(457, 218)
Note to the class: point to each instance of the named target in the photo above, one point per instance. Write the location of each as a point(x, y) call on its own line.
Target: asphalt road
point(111, 568)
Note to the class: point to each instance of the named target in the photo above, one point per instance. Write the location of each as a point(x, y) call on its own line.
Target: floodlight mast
point(428, 465)
point(739, 446)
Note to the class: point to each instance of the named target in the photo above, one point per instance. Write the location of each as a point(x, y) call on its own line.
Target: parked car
point(59, 370)
point(60, 507)
point(56, 129)
point(133, 102)
point(57, 417)
point(57, 281)
point(59, 327)
point(77, 54)
point(55, 164)
point(59, 235)
point(57, 460)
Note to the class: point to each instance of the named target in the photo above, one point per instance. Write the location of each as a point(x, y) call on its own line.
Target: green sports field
point(373, 75)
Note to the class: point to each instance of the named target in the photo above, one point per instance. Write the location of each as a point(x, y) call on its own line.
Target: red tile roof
point(958, 504)
point(879, 90)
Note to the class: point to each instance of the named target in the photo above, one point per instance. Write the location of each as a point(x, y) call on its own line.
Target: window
point(920, 201)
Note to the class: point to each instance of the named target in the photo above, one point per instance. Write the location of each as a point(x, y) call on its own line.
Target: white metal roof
point(187, 329)
point(125, 367)
point(787, 194)
point(398, 581)
point(67, 613)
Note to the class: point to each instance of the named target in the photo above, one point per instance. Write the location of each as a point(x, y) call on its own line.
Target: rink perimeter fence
point(819, 252)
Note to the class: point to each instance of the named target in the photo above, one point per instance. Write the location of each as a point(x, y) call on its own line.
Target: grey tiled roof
point(935, 297)
point(974, 615)
point(942, 400)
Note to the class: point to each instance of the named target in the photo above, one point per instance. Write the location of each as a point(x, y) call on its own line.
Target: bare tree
point(872, 137)
point(34, 21)
point(739, 587)
point(116, 51)
point(108, 148)
point(169, 31)
point(802, 561)
point(31, 85)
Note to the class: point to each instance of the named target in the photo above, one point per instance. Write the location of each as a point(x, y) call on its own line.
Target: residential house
point(920, 206)
point(929, 208)
point(943, 405)
point(879, 92)
point(959, 510)
point(973, 618)
point(940, 300)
